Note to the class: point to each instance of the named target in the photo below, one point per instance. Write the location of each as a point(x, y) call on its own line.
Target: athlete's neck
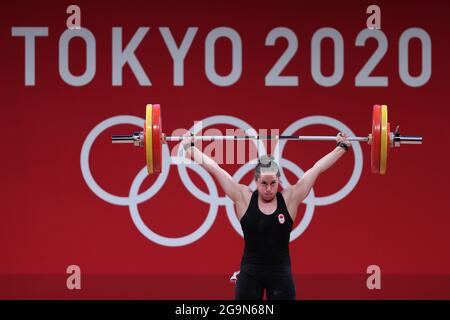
point(274, 199)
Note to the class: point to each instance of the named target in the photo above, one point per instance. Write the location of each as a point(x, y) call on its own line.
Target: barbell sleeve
point(137, 138)
point(122, 139)
point(408, 139)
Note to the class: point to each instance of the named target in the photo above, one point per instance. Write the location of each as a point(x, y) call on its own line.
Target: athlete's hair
point(266, 164)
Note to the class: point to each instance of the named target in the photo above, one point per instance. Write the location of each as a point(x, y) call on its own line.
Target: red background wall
point(51, 219)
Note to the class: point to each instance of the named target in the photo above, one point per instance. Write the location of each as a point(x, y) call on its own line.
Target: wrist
point(342, 145)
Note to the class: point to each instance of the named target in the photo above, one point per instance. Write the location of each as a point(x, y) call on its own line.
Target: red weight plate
point(157, 142)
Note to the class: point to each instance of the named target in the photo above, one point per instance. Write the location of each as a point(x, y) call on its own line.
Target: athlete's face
point(267, 185)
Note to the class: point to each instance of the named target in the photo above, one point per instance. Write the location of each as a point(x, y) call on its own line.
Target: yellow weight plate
point(149, 137)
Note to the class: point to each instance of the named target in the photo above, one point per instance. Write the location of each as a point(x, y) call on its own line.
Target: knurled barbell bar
point(380, 138)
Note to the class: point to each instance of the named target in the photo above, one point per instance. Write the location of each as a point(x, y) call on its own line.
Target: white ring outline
point(86, 171)
point(357, 151)
point(168, 241)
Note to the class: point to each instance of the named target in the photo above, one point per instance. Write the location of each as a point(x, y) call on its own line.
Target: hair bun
point(266, 161)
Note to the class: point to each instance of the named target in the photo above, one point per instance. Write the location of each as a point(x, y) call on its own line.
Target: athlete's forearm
point(328, 160)
point(199, 157)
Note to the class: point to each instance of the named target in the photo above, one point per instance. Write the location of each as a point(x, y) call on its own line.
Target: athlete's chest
point(257, 222)
point(267, 218)
point(267, 208)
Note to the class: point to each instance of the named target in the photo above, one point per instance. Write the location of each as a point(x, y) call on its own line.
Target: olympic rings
point(212, 198)
point(356, 174)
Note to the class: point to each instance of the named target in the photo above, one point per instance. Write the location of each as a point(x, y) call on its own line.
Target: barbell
point(380, 139)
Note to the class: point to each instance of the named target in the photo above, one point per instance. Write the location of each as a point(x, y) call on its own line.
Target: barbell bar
point(380, 139)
